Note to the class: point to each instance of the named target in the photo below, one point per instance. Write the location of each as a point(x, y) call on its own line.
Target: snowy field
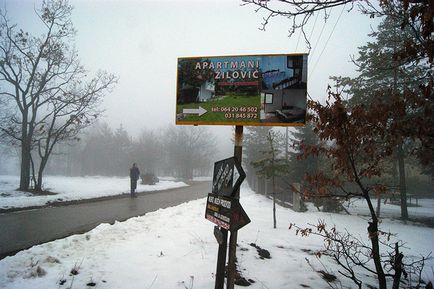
point(175, 248)
point(72, 189)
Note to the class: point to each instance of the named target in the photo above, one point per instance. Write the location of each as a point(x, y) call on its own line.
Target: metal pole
point(238, 150)
point(221, 261)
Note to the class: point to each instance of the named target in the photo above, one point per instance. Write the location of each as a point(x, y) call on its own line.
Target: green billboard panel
point(256, 90)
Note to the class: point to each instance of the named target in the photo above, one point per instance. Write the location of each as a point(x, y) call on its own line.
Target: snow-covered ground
point(175, 248)
point(72, 189)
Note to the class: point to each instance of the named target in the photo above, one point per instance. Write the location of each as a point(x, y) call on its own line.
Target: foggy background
point(139, 41)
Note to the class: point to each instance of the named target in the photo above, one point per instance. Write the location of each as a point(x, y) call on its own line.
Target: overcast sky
point(140, 41)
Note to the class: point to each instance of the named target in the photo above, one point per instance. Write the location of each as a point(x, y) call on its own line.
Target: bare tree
point(353, 255)
point(298, 12)
point(43, 86)
point(271, 166)
point(96, 155)
point(70, 113)
point(148, 151)
point(416, 14)
point(189, 149)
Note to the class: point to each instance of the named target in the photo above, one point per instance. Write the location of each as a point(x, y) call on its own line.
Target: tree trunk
point(38, 185)
point(397, 266)
point(402, 183)
point(25, 165)
point(373, 236)
point(378, 210)
point(26, 150)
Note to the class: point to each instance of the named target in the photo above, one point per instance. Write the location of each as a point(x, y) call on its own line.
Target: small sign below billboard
point(226, 213)
point(228, 176)
point(256, 90)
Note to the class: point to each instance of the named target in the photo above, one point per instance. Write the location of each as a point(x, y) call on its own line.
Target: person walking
point(134, 177)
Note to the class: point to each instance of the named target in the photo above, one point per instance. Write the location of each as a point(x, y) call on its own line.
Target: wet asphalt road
point(22, 229)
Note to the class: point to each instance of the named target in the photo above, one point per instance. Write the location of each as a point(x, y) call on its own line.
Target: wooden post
point(238, 150)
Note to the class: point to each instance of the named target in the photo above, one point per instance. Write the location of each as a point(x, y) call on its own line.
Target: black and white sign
point(228, 176)
point(225, 212)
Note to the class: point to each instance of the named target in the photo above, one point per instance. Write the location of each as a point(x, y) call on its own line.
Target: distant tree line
point(181, 152)
point(293, 167)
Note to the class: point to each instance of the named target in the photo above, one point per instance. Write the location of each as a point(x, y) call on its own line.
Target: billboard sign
point(255, 90)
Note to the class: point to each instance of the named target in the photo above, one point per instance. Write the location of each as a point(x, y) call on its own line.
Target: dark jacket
point(134, 173)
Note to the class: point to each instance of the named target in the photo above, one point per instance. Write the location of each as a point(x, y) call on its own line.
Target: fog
point(140, 41)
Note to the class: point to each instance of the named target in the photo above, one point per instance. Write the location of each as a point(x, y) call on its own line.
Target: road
point(23, 229)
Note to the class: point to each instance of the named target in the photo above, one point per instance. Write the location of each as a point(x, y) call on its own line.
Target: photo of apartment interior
point(283, 94)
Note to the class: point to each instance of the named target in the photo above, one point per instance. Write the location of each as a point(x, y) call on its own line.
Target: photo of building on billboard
point(242, 90)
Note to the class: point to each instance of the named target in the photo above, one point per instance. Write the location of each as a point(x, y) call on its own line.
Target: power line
point(298, 40)
point(313, 28)
point(320, 35)
point(328, 39)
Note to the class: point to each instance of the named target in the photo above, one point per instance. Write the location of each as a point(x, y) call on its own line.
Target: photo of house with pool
point(268, 90)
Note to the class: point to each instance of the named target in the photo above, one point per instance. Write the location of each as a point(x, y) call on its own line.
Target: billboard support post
point(238, 151)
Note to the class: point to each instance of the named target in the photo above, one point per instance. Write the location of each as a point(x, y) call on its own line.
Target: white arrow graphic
point(199, 111)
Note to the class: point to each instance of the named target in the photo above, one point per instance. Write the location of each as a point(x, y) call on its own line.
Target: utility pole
point(238, 151)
